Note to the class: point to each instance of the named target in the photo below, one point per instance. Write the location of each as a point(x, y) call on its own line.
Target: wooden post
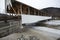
point(34, 12)
point(41, 13)
point(29, 10)
point(21, 17)
point(21, 8)
point(38, 13)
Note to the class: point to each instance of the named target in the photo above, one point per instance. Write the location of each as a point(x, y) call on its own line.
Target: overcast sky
point(2, 6)
point(39, 4)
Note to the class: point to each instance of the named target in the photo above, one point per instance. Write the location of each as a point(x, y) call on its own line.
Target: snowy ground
point(46, 29)
point(41, 34)
point(32, 19)
point(53, 22)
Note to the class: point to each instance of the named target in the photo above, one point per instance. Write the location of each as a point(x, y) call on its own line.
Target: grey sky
point(39, 4)
point(2, 6)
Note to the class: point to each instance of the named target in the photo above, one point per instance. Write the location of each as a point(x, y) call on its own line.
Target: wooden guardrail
point(6, 30)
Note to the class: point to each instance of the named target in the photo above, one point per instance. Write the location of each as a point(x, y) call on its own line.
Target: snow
point(50, 30)
point(53, 22)
point(33, 18)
